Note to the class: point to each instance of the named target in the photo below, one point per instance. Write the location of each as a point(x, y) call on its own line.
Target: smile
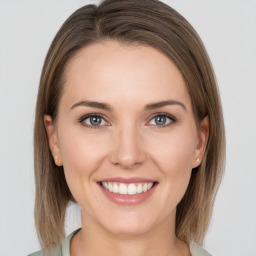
point(127, 189)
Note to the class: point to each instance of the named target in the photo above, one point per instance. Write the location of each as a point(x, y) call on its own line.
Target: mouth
point(128, 191)
point(128, 188)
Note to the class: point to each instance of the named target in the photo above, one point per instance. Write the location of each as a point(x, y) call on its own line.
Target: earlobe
point(53, 139)
point(203, 134)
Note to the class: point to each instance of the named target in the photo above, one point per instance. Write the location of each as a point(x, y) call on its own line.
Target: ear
point(203, 134)
point(53, 139)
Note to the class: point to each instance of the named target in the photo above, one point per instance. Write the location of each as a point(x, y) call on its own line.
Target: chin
point(128, 226)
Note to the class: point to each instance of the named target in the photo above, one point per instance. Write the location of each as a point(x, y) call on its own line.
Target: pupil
point(160, 120)
point(95, 120)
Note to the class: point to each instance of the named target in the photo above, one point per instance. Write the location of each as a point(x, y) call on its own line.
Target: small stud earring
point(198, 159)
point(55, 157)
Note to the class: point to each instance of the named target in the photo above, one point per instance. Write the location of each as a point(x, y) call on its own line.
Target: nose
point(128, 148)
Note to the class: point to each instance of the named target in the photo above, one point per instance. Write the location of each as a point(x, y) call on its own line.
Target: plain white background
point(228, 29)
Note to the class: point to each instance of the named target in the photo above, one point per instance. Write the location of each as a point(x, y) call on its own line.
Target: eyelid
point(81, 120)
point(171, 117)
point(163, 114)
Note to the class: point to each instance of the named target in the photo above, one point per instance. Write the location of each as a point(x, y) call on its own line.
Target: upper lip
point(127, 180)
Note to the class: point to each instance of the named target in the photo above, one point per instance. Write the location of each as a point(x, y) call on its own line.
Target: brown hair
point(147, 22)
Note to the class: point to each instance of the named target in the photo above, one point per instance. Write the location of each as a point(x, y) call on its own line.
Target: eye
point(93, 121)
point(163, 120)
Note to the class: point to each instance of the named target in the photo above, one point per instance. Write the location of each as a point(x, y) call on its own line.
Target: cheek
point(82, 155)
point(174, 158)
point(175, 151)
point(81, 149)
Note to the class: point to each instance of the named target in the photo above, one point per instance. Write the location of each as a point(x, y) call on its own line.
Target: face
point(126, 117)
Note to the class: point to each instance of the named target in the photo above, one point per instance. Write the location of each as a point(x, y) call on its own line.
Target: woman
point(128, 125)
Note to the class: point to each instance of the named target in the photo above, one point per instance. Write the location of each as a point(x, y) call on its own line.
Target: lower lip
point(128, 199)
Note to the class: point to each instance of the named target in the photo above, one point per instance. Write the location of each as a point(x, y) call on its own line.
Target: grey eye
point(161, 120)
point(94, 121)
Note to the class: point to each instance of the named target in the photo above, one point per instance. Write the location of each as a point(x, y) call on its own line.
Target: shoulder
point(60, 250)
point(196, 250)
point(55, 252)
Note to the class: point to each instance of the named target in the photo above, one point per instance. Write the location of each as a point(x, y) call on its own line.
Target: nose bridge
point(128, 147)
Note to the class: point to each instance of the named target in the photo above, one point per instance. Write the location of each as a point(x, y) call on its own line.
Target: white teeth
point(130, 189)
point(122, 189)
point(139, 189)
point(150, 185)
point(115, 188)
point(105, 185)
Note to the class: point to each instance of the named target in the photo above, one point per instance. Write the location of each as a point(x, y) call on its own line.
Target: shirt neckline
point(66, 243)
point(194, 248)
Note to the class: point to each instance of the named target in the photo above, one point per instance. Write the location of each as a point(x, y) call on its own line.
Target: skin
point(128, 143)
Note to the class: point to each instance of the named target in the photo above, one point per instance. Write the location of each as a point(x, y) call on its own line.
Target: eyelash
point(83, 118)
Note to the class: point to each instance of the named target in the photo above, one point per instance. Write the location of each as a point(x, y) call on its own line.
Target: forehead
point(111, 71)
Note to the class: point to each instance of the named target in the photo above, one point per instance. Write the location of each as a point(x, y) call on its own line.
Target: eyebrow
point(164, 103)
point(105, 106)
point(92, 104)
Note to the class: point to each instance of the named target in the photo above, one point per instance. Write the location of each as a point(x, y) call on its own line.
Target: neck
point(94, 240)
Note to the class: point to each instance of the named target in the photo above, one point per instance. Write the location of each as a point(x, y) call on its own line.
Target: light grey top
point(63, 249)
